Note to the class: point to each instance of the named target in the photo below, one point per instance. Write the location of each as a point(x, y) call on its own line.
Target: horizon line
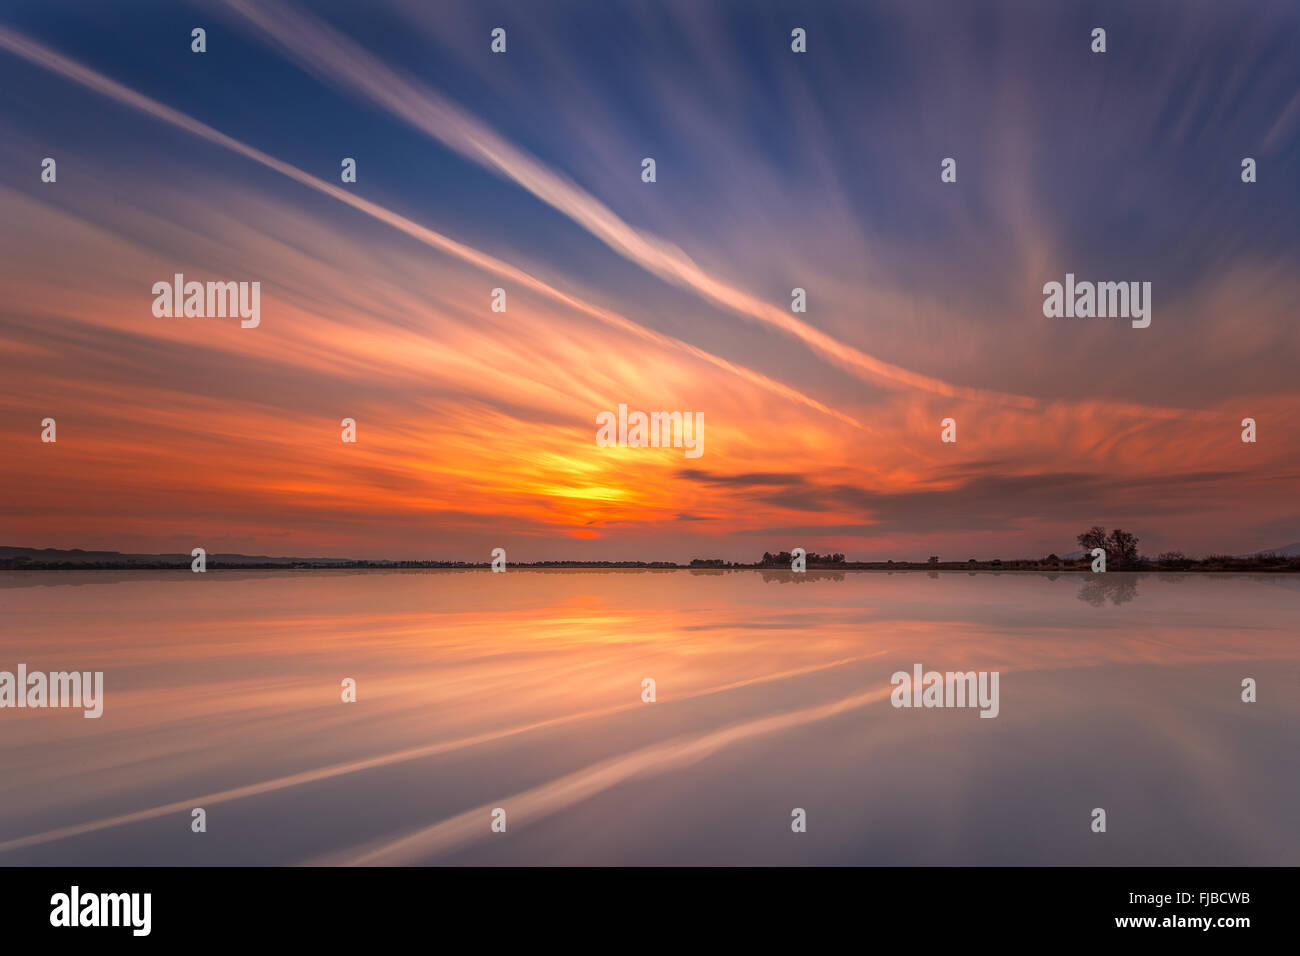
point(131, 559)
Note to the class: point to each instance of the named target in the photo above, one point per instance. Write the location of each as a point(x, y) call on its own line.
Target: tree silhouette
point(1094, 537)
point(1122, 548)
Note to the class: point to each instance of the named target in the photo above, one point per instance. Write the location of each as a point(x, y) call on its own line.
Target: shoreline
point(863, 567)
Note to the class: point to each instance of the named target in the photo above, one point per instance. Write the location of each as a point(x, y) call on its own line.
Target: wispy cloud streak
point(337, 59)
point(43, 56)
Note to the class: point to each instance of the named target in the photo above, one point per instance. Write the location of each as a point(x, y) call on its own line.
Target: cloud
point(338, 60)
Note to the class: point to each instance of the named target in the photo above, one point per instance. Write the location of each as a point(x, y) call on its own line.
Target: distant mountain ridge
point(58, 559)
point(1289, 551)
point(80, 556)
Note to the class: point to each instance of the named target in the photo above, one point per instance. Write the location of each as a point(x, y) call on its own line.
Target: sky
point(522, 171)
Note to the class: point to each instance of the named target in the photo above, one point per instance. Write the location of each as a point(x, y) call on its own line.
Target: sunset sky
point(522, 171)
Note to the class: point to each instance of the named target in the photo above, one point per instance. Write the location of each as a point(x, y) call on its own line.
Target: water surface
point(523, 691)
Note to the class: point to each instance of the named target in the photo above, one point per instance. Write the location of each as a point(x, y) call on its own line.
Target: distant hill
point(1288, 551)
point(77, 556)
point(56, 559)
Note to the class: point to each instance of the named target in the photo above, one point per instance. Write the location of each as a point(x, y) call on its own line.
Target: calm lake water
point(522, 691)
